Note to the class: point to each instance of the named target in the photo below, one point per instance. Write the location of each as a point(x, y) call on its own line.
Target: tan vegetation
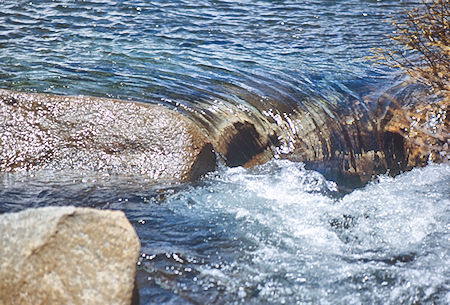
point(420, 46)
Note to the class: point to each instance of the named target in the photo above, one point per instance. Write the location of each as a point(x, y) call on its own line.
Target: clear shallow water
point(275, 234)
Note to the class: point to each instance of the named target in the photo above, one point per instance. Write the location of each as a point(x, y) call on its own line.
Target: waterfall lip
point(349, 138)
point(345, 139)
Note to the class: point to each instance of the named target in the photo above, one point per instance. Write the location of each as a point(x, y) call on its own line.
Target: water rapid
point(275, 234)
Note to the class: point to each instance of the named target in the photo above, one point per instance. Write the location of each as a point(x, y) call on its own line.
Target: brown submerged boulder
point(67, 255)
point(39, 131)
point(350, 143)
point(356, 144)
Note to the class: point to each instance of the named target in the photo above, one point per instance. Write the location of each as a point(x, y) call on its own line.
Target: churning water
point(275, 234)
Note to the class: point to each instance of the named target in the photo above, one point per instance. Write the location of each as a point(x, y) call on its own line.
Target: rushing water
point(276, 234)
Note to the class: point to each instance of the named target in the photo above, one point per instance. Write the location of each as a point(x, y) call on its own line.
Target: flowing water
point(275, 234)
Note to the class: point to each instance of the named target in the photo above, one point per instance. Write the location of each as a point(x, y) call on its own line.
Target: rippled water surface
point(276, 234)
point(185, 50)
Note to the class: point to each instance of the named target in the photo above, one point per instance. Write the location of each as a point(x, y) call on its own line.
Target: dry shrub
point(420, 46)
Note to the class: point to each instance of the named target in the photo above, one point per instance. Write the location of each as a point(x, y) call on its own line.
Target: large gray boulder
point(67, 255)
point(44, 131)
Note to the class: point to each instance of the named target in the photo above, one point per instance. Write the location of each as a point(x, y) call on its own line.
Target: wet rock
point(417, 134)
point(43, 131)
point(240, 143)
point(349, 142)
point(67, 255)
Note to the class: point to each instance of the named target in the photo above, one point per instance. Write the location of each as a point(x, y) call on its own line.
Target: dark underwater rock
point(67, 255)
point(349, 142)
point(43, 131)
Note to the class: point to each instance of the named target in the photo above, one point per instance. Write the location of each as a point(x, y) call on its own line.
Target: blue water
point(184, 50)
point(276, 234)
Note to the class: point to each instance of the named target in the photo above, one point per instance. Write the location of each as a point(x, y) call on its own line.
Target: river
point(275, 234)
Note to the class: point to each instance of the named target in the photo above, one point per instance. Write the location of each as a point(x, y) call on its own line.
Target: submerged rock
point(43, 131)
point(349, 142)
point(67, 255)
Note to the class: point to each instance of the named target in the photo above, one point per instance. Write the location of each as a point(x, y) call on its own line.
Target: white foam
point(371, 245)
